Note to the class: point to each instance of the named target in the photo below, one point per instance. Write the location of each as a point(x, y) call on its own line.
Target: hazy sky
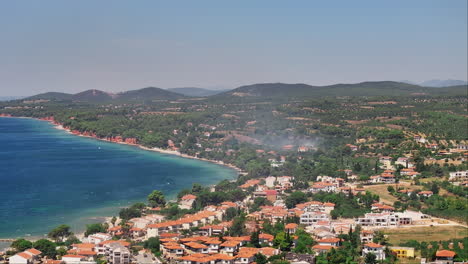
point(73, 46)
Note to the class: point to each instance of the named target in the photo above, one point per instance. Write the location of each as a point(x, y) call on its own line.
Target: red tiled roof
point(34, 251)
point(24, 255)
point(322, 247)
point(189, 197)
point(291, 226)
point(373, 245)
point(445, 254)
point(329, 240)
point(73, 256)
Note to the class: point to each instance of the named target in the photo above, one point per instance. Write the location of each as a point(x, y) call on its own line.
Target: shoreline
point(58, 126)
point(155, 149)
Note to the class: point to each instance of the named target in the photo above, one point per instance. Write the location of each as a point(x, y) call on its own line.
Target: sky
point(72, 46)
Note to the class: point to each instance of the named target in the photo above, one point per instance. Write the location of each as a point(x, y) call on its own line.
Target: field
point(423, 233)
point(381, 190)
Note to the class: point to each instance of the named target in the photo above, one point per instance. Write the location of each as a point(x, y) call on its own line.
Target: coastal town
point(364, 210)
point(234, 132)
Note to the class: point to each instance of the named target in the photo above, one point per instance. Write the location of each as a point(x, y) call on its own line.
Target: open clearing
point(425, 233)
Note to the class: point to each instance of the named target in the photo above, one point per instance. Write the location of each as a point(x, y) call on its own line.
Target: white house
point(458, 176)
point(386, 162)
point(376, 249)
point(98, 238)
point(21, 258)
point(405, 162)
point(322, 187)
point(187, 201)
point(310, 218)
point(332, 241)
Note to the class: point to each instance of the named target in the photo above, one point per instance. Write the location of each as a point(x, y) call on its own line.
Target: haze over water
point(49, 177)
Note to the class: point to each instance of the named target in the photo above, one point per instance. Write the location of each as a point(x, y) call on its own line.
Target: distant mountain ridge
point(438, 83)
point(267, 90)
point(382, 88)
point(195, 91)
point(98, 96)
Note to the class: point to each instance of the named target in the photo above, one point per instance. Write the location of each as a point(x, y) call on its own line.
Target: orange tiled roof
point(329, 240)
point(266, 236)
point(322, 247)
point(195, 245)
point(373, 245)
point(73, 256)
point(189, 197)
point(84, 245)
point(24, 255)
point(34, 251)
point(445, 254)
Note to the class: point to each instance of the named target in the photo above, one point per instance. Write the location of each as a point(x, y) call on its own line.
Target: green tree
point(295, 198)
point(231, 212)
point(156, 198)
point(152, 244)
point(379, 237)
point(255, 239)
point(95, 228)
point(238, 226)
point(304, 242)
point(72, 240)
point(21, 244)
point(260, 258)
point(282, 241)
point(60, 233)
point(129, 213)
point(47, 247)
point(113, 220)
point(371, 258)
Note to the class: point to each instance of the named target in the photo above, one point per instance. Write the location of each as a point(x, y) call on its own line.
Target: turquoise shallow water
point(49, 177)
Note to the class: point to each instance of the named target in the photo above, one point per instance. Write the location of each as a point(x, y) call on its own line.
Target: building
point(386, 163)
point(98, 238)
point(118, 254)
point(187, 201)
point(403, 252)
point(367, 236)
point(311, 218)
point(382, 219)
point(21, 258)
point(445, 256)
point(405, 162)
point(332, 241)
point(458, 176)
point(426, 194)
point(376, 249)
point(322, 187)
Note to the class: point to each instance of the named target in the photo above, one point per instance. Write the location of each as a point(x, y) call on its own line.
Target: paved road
point(141, 259)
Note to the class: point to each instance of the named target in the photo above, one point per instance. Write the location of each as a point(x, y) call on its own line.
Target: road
point(141, 259)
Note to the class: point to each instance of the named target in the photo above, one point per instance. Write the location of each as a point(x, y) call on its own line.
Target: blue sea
point(49, 177)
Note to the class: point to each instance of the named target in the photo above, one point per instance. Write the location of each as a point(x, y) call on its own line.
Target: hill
point(50, 96)
point(149, 93)
point(443, 83)
point(92, 96)
point(385, 88)
point(195, 92)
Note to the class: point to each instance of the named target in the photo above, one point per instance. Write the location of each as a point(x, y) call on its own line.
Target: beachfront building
point(187, 201)
point(21, 258)
point(98, 238)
